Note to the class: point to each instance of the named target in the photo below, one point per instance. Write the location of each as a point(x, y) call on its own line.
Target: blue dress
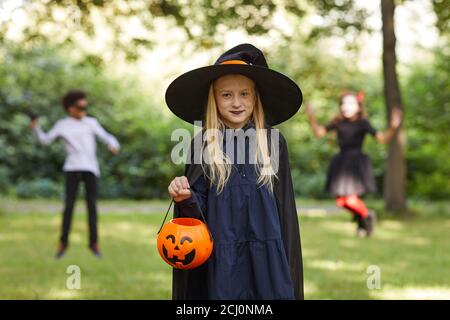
point(248, 260)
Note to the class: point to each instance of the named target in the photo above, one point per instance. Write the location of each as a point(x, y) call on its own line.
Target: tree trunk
point(394, 181)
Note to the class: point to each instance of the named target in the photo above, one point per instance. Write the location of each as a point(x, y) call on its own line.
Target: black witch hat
point(281, 97)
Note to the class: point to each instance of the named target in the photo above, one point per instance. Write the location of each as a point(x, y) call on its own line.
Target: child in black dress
point(350, 171)
point(249, 206)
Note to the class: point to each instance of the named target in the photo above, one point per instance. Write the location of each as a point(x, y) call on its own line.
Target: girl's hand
point(396, 117)
point(179, 189)
point(114, 150)
point(318, 130)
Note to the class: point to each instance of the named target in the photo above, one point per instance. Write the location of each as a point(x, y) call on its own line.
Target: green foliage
point(41, 188)
point(203, 22)
point(442, 11)
point(341, 18)
point(36, 79)
point(427, 97)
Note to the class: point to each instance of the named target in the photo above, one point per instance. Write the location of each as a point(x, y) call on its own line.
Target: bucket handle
point(198, 207)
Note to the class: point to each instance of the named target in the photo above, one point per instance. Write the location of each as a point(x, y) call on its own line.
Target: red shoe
point(95, 250)
point(61, 250)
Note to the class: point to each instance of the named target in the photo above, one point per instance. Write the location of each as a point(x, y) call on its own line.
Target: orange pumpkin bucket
point(184, 243)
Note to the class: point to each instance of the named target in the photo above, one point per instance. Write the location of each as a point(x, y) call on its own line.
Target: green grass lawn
point(412, 255)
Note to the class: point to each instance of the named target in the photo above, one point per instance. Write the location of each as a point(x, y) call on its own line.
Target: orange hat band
point(234, 62)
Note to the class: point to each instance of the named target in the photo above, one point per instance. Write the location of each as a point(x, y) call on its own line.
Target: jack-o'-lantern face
point(182, 252)
point(184, 243)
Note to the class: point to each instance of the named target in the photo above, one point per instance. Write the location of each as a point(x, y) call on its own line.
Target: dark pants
point(73, 179)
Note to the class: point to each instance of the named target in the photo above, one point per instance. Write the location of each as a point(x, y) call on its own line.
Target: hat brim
point(187, 95)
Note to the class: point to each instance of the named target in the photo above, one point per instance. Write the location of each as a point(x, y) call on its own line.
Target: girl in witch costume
point(249, 205)
point(350, 171)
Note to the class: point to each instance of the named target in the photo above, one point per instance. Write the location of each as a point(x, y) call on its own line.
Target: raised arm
point(317, 129)
point(106, 137)
point(396, 119)
point(45, 138)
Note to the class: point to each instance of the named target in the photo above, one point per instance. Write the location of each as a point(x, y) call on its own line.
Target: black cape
point(193, 284)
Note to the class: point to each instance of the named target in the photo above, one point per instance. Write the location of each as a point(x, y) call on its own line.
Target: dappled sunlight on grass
point(411, 293)
point(391, 225)
point(412, 257)
point(307, 252)
point(122, 230)
point(55, 206)
point(12, 237)
point(309, 288)
point(410, 254)
point(76, 237)
point(417, 241)
point(131, 267)
point(315, 213)
point(388, 230)
point(64, 294)
point(349, 243)
point(333, 265)
point(339, 227)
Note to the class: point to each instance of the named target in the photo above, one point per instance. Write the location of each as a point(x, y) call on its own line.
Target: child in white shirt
point(78, 133)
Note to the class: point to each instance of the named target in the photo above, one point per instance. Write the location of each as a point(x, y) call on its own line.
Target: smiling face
point(180, 253)
point(235, 97)
point(350, 106)
point(184, 243)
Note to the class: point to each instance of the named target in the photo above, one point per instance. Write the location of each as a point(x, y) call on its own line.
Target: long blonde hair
point(219, 167)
